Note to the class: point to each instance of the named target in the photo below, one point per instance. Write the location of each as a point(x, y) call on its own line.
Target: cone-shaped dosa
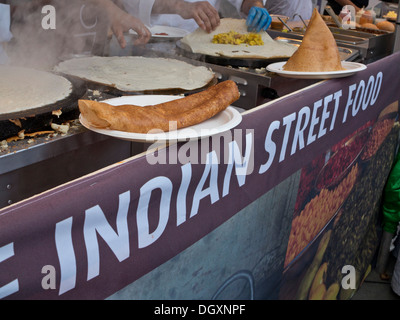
point(318, 51)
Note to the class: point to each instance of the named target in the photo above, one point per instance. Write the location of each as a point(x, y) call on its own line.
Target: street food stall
point(276, 197)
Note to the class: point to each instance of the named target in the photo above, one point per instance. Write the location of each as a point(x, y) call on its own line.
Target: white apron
point(142, 10)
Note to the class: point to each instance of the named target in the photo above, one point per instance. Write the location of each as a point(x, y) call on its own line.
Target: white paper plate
point(224, 121)
point(165, 32)
point(350, 69)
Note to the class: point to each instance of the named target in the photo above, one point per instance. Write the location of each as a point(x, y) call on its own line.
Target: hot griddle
point(112, 90)
point(40, 118)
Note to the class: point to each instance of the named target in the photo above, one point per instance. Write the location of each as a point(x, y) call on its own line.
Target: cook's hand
point(205, 15)
point(258, 19)
point(122, 22)
point(125, 22)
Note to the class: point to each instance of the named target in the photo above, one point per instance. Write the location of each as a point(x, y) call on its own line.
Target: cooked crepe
point(132, 74)
point(24, 89)
point(201, 42)
point(318, 51)
point(184, 112)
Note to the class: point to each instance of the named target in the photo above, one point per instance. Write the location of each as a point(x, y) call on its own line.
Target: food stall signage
point(108, 229)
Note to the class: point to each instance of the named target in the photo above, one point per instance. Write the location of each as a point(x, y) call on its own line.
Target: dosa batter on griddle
point(137, 74)
point(201, 42)
point(23, 89)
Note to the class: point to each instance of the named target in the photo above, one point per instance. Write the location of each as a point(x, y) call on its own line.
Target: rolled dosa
point(184, 112)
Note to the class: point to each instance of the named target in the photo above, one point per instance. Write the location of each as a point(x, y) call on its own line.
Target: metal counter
point(31, 166)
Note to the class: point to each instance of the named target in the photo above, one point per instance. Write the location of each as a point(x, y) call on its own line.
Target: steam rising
point(81, 29)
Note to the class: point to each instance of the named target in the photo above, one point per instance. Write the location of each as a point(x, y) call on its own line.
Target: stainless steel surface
point(285, 24)
point(28, 168)
point(29, 151)
point(370, 46)
point(346, 54)
point(301, 18)
point(376, 46)
point(350, 39)
point(334, 16)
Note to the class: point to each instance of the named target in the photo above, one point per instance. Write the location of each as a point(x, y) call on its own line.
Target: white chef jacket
point(142, 10)
point(5, 34)
point(290, 8)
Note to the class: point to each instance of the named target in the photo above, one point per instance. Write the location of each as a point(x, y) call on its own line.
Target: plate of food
point(317, 57)
point(159, 118)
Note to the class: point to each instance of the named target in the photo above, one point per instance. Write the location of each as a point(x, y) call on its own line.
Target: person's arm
point(348, 3)
point(122, 22)
point(258, 17)
point(248, 4)
point(205, 15)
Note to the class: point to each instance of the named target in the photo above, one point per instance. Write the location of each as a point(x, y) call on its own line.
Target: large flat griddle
point(112, 90)
point(64, 105)
point(253, 63)
point(40, 118)
point(173, 88)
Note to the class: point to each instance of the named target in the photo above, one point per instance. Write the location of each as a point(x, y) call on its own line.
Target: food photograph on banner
point(170, 150)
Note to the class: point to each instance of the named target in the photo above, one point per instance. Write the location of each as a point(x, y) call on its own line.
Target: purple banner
point(92, 237)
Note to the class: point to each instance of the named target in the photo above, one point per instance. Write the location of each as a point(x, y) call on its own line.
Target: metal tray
point(378, 43)
point(346, 54)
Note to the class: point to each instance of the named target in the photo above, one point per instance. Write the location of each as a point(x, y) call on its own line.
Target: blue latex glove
point(258, 19)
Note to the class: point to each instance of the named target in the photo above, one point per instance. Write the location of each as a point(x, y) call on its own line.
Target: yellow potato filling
point(232, 37)
point(391, 15)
